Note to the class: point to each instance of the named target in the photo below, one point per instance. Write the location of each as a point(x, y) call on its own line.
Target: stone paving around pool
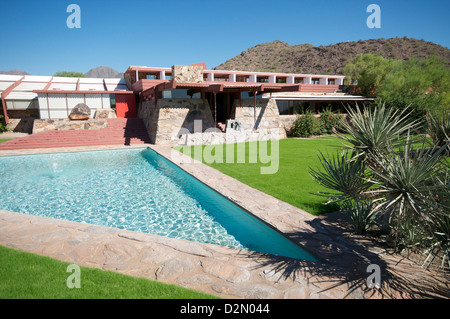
point(226, 272)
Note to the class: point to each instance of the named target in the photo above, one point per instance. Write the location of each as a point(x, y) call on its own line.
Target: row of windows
point(22, 105)
point(187, 94)
point(34, 104)
point(294, 107)
point(244, 79)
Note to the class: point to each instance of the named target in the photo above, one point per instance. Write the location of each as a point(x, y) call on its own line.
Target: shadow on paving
point(344, 268)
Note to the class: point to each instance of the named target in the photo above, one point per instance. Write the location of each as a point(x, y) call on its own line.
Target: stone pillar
point(272, 79)
point(307, 80)
point(210, 77)
point(290, 80)
point(323, 81)
point(232, 77)
point(253, 78)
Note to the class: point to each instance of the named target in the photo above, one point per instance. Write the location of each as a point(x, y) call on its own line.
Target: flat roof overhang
point(81, 92)
point(323, 98)
point(154, 70)
point(218, 87)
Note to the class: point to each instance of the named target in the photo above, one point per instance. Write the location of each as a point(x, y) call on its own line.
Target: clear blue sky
point(36, 39)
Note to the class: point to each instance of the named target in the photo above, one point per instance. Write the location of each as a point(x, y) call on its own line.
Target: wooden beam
point(215, 109)
point(228, 106)
point(5, 94)
point(48, 84)
point(254, 108)
point(4, 111)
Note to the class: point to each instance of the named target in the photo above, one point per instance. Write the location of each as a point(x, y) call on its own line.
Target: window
point(331, 82)
point(22, 105)
point(112, 100)
point(283, 107)
point(180, 94)
point(314, 81)
point(249, 95)
point(150, 76)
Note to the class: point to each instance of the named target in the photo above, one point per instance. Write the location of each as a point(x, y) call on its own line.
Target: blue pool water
point(137, 190)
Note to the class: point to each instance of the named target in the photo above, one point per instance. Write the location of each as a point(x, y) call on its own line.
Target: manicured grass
point(28, 276)
point(291, 183)
point(4, 140)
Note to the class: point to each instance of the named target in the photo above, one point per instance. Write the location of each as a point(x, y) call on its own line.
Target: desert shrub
point(361, 214)
point(305, 125)
point(3, 127)
point(409, 181)
point(330, 121)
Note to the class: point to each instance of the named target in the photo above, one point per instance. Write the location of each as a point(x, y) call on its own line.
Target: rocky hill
point(279, 56)
point(14, 72)
point(103, 72)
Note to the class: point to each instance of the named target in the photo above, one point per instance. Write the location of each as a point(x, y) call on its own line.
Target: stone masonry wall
point(169, 118)
point(267, 115)
point(187, 73)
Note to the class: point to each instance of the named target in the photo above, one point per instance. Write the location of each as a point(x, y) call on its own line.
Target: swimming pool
point(134, 189)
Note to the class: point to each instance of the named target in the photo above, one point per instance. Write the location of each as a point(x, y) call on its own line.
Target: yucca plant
point(406, 181)
point(348, 178)
point(438, 243)
point(439, 127)
point(361, 214)
point(374, 131)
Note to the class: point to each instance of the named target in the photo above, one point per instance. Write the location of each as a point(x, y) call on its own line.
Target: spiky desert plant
point(406, 180)
point(361, 215)
point(438, 243)
point(374, 131)
point(339, 173)
point(439, 127)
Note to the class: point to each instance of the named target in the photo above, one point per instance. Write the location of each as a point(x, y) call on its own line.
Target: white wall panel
point(42, 101)
point(74, 99)
point(106, 101)
point(43, 113)
point(94, 101)
point(57, 101)
point(58, 114)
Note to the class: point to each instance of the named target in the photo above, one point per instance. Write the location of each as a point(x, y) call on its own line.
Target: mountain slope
point(279, 56)
point(103, 72)
point(14, 72)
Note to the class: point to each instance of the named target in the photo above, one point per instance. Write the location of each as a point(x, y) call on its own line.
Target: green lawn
point(28, 276)
point(291, 183)
point(4, 139)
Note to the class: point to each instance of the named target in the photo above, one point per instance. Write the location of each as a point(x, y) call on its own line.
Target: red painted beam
point(5, 94)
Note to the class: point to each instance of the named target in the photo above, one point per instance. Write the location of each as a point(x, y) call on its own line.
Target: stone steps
point(119, 132)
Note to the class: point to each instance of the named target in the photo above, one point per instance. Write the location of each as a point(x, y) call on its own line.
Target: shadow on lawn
point(346, 259)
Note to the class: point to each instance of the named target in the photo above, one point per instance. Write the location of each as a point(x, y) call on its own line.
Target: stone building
point(182, 103)
point(248, 104)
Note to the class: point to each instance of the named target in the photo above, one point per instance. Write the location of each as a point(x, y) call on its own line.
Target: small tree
point(69, 74)
point(421, 84)
point(369, 70)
